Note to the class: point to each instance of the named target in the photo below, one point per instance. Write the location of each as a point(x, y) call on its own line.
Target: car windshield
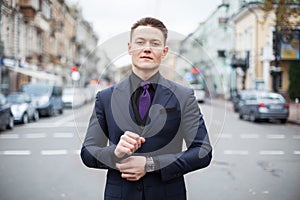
point(15, 98)
point(36, 90)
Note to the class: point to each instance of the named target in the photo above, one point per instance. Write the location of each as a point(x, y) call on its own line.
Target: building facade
point(40, 41)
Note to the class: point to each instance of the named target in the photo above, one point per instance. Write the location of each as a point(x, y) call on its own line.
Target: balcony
point(29, 8)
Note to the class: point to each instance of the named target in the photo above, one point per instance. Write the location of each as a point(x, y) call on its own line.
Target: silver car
point(22, 107)
point(258, 105)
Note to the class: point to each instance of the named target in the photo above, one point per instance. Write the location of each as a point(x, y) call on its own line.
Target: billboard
point(289, 48)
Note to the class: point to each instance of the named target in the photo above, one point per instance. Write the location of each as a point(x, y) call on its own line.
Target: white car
point(73, 97)
point(22, 107)
point(199, 92)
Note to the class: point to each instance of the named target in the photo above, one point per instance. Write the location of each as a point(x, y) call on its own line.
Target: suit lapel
point(122, 108)
point(163, 93)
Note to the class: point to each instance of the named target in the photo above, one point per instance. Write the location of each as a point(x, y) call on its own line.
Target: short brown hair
point(153, 22)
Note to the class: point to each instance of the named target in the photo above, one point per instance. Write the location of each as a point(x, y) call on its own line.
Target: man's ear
point(129, 48)
point(165, 51)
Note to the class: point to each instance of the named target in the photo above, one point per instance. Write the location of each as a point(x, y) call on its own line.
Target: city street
point(40, 161)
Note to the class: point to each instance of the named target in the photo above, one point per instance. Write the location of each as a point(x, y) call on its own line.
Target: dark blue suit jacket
point(173, 118)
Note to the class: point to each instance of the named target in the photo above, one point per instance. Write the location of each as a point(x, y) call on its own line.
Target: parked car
point(199, 92)
point(6, 116)
point(238, 99)
point(264, 106)
point(22, 107)
point(46, 97)
point(73, 97)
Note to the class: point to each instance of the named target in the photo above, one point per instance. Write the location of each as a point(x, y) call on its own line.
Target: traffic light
point(74, 68)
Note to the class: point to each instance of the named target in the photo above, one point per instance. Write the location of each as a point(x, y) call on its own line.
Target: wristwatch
point(150, 165)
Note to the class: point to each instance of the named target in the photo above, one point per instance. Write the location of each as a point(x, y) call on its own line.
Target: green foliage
point(294, 74)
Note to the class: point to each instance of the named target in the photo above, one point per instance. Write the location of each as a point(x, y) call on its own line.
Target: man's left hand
point(132, 168)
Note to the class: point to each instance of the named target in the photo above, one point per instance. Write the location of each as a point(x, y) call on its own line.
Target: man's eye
point(139, 42)
point(156, 44)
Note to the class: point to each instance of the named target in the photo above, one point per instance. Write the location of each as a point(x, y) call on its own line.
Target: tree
point(287, 19)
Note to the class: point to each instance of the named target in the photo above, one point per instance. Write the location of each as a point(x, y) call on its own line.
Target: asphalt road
point(40, 161)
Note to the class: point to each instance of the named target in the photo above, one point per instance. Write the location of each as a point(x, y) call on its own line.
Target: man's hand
point(132, 168)
point(128, 144)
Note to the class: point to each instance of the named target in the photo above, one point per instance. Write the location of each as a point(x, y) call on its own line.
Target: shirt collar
point(135, 81)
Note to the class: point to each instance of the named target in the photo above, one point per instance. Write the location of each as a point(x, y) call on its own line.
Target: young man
point(138, 126)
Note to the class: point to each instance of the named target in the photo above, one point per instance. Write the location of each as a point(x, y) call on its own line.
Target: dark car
point(22, 107)
point(238, 99)
point(6, 116)
point(258, 106)
point(46, 97)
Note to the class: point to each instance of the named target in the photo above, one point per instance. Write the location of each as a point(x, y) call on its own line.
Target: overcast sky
point(112, 17)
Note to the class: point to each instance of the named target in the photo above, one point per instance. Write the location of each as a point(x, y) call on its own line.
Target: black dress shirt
point(137, 90)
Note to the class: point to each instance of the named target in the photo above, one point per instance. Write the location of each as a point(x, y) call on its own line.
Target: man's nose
point(147, 48)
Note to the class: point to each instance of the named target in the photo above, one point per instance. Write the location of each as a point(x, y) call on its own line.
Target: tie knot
point(145, 85)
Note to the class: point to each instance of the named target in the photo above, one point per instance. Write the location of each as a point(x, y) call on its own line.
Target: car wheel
point(25, 118)
point(252, 117)
point(241, 116)
point(61, 111)
point(11, 123)
point(36, 116)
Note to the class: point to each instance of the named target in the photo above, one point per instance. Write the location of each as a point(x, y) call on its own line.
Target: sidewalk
point(294, 116)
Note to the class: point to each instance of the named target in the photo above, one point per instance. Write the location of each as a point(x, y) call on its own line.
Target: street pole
point(276, 59)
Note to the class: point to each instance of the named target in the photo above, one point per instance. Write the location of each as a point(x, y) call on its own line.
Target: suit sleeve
point(199, 151)
point(95, 152)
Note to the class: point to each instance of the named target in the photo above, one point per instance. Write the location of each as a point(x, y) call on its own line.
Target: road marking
point(35, 135)
point(236, 152)
point(297, 137)
point(77, 152)
point(297, 152)
point(54, 152)
point(277, 136)
point(249, 136)
point(9, 136)
point(225, 136)
point(16, 152)
point(63, 135)
point(51, 125)
point(271, 152)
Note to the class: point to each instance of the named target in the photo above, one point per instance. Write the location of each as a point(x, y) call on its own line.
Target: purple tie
point(145, 100)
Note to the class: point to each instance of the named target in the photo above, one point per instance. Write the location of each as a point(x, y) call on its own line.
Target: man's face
point(147, 48)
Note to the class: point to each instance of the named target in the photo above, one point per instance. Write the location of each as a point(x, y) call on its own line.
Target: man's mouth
point(146, 57)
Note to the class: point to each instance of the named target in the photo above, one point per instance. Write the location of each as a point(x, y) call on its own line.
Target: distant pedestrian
point(138, 126)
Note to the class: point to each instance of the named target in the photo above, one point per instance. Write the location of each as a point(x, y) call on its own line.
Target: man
point(138, 126)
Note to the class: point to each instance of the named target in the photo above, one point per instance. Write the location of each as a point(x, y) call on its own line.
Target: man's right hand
point(128, 144)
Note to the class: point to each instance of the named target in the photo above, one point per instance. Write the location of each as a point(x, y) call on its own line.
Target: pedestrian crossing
point(10, 137)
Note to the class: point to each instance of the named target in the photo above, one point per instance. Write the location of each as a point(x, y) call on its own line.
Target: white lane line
point(35, 135)
point(9, 136)
point(225, 136)
point(15, 152)
point(277, 136)
point(271, 152)
point(249, 136)
point(236, 152)
point(54, 152)
point(77, 152)
point(297, 152)
point(63, 135)
point(297, 137)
